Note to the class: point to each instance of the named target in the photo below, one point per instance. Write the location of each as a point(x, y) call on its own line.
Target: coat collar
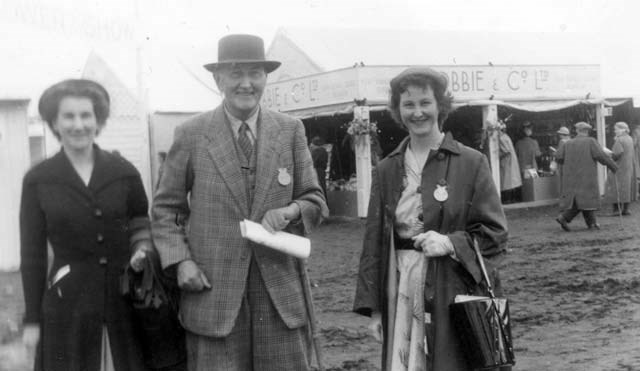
point(106, 168)
point(448, 145)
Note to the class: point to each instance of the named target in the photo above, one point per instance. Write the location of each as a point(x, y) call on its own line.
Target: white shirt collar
point(252, 122)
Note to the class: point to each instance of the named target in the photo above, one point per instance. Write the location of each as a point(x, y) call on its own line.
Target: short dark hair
point(49, 103)
point(421, 77)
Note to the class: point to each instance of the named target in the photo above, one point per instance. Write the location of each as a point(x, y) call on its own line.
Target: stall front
point(549, 96)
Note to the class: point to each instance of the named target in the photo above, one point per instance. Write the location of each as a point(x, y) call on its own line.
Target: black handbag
point(484, 326)
point(153, 299)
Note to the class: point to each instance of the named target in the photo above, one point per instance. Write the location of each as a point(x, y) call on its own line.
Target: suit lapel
point(267, 161)
point(222, 150)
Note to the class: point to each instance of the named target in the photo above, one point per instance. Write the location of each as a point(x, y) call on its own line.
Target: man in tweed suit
point(242, 304)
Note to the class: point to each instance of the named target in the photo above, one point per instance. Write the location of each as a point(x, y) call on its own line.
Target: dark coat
point(472, 211)
point(89, 229)
point(579, 157)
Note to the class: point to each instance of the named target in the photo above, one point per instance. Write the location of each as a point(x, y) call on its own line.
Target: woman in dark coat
point(430, 199)
point(91, 207)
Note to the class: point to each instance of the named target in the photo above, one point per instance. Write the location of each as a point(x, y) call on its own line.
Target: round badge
point(283, 177)
point(440, 193)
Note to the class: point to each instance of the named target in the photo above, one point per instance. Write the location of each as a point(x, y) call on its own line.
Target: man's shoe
point(563, 224)
point(594, 226)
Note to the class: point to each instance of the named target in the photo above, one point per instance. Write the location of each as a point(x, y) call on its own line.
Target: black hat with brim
point(234, 49)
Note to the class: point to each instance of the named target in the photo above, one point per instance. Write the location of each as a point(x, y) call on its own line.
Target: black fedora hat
point(241, 49)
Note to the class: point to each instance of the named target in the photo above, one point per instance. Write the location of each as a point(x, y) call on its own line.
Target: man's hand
point(433, 244)
point(190, 277)
point(375, 326)
point(141, 249)
point(277, 219)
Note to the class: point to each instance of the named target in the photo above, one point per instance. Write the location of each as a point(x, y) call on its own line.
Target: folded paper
point(290, 244)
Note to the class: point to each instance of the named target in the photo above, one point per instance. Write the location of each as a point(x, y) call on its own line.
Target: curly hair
point(49, 103)
point(421, 77)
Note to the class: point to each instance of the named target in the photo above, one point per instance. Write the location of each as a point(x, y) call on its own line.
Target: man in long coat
point(242, 304)
point(622, 186)
point(579, 157)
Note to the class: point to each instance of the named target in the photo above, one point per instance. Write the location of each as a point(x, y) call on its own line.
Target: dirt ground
point(575, 297)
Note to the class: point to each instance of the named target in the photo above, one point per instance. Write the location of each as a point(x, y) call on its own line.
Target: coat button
point(103, 260)
point(100, 238)
point(97, 213)
point(440, 156)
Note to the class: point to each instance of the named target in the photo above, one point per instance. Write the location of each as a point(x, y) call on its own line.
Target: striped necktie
point(244, 142)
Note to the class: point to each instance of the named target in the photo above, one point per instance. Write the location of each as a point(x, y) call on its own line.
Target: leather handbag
point(153, 298)
point(484, 326)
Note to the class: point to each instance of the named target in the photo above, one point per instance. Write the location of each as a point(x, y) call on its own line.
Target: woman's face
point(76, 123)
point(419, 111)
point(619, 131)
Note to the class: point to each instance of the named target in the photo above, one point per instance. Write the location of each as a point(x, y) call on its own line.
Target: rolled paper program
point(290, 244)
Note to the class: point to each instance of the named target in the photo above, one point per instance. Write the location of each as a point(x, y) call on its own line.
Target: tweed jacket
point(471, 211)
point(90, 229)
point(201, 199)
point(579, 157)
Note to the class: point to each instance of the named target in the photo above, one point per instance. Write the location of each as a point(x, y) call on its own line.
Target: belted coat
point(471, 212)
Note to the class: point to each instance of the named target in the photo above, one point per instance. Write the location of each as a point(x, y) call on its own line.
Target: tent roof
point(34, 59)
point(343, 47)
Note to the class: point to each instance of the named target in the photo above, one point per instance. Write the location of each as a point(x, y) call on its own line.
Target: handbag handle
point(482, 267)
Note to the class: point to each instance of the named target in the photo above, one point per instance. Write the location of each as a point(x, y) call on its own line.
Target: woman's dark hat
point(241, 49)
point(437, 77)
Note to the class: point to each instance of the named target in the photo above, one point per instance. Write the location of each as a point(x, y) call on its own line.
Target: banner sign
point(507, 83)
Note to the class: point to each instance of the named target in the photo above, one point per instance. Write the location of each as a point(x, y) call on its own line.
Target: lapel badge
point(440, 193)
point(283, 176)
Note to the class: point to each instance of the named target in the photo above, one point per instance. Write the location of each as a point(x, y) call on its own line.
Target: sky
point(191, 28)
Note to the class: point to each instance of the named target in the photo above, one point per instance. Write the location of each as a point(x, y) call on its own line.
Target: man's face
point(242, 85)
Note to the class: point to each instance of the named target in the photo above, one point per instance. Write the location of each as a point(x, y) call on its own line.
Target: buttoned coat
point(579, 157)
point(202, 198)
point(471, 211)
point(89, 229)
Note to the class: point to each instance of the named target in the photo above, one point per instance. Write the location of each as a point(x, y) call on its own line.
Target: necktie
point(244, 142)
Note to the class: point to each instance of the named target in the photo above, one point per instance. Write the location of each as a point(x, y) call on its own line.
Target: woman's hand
point(140, 254)
point(31, 336)
point(375, 326)
point(433, 244)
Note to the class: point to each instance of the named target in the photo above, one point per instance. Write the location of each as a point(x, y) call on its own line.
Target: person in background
point(242, 304)
point(636, 147)
point(563, 137)
point(510, 178)
point(527, 150)
point(431, 198)
point(622, 186)
point(90, 205)
point(320, 157)
point(579, 157)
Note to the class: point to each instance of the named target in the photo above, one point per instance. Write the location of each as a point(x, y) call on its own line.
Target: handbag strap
point(482, 267)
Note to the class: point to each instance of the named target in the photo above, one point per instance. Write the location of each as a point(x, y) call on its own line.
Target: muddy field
point(575, 297)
